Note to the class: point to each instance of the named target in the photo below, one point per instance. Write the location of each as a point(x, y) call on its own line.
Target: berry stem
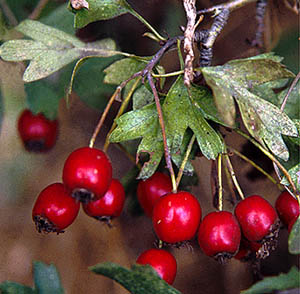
point(220, 186)
point(185, 159)
point(229, 182)
point(163, 130)
point(270, 155)
point(108, 106)
point(121, 111)
point(167, 75)
point(8, 13)
point(233, 177)
point(256, 166)
point(293, 85)
point(38, 9)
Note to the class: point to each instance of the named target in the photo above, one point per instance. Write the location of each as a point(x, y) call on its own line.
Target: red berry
point(36, 131)
point(291, 224)
point(150, 190)
point(87, 174)
point(248, 250)
point(256, 217)
point(54, 209)
point(219, 235)
point(287, 207)
point(110, 205)
point(176, 217)
point(163, 262)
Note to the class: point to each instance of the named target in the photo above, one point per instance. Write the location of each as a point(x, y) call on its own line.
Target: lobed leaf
point(277, 283)
point(50, 50)
point(140, 279)
point(8, 287)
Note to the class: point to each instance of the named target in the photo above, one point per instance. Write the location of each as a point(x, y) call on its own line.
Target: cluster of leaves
point(251, 87)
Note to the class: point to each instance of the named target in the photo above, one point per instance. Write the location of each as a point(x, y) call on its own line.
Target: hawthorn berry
point(150, 190)
point(256, 217)
point(219, 235)
point(54, 209)
point(176, 217)
point(87, 174)
point(38, 133)
point(287, 207)
point(291, 224)
point(110, 205)
point(259, 222)
point(163, 262)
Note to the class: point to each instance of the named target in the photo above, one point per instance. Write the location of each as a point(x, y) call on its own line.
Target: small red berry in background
point(110, 205)
point(54, 209)
point(219, 235)
point(176, 217)
point(287, 207)
point(291, 224)
point(87, 174)
point(36, 131)
point(163, 262)
point(256, 217)
point(153, 188)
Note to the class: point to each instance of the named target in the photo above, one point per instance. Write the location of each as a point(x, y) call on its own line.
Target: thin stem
point(255, 166)
point(163, 130)
point(220, 186)
point(129, 156)
point(107, 108)
point(38, 9)
point(232, 174)
point(232, 5)
point(185, 159)
point(180, 55)
point(8, 13)
point(167, 75)
point(139, 17)
point(120, 112)
point(229, 181)
point(270, 155)
point(294, 83)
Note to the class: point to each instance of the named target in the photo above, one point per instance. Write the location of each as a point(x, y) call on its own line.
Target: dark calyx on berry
point(35, 145)
point(269, 242)
point(43, 225)
point(83, 195)
point(104, 219)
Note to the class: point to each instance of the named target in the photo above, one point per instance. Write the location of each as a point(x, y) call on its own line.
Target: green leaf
point(141, 97)
point(140, 279)
point(281, 282)
point(294, 237)
point(123, 69)
point(294, 172)
point(46, 278)
point(50, 49)
point(8, 287)
point(181, 114)
point(263, 120)
point(100, 10)
point(43, 97)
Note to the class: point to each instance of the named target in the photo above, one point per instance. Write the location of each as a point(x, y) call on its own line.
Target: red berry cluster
point(87, 178)
point(176, 218)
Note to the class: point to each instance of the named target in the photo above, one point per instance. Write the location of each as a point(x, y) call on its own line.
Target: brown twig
point(294, 83)
point(8, 13)
point(38, 9)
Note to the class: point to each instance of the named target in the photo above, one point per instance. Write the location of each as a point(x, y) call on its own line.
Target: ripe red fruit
point(219, 235)
point(291, 224)
point(150, 190)
point(163, 262)
point(54, 209)
point(87, 174)
point(36, 131)
point(287, 207)
point(176, 217)
point(256, 217)
point(110, 205)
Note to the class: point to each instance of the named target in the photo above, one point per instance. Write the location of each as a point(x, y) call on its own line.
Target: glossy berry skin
point(36, 131)
point(219, 233)
point(291, 224)
point(153, 188)
point(256, 217)
point(87, 174)
point(110, 205)
point(176, 217)
point(54, 209)
point(163, 262)
point(287, 207)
